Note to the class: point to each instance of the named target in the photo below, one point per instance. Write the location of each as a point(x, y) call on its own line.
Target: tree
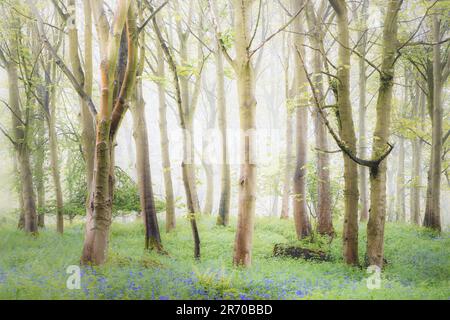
point(416, 174)
point(347, 133)
point(439, 74)
point(362, 140)
point(287, 181)
point(140, 133)
point(167, 173)
point(375, 226)
point(245, 73)
point(187, 173)
point(324, 218)
point(300, 211)
point(21, 124)
point(207, 141)
point(244, 69)
point(225, 179)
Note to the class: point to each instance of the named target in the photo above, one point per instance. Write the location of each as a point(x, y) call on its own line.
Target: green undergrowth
point(35, 268)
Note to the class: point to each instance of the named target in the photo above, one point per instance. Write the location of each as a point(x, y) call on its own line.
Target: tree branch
point(59, 62)
point(372, 164)
point(279, 30)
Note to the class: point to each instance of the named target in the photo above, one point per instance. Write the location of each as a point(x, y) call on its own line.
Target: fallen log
point(295, 251)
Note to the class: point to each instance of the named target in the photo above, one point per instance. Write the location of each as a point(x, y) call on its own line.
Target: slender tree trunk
point(324, 217)
point(247, 105)
point(209, 172)
point(21, 222)
point(429, 193)
point(289, 161)
point(436, 144)
point(400, 189)
point(39, 158)
point(167, 171)
point(225, 179)
point(54, 161)
point(208, 205)
point(140, 133)
point(300, 212)
point(152, 236)
point(347, 133)
point(287, 181)
point(416, 174)
point(191, 200)
point(88, 134)
point(22, 151)
point(188, 131)
point(375, 226)
point(207, 141)
point(362, 139)
point(30, 221)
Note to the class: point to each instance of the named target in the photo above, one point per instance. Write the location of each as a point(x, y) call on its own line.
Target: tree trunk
point(375, 226)
point(362, 139)
point(347, 133)
point(247, 107)
point(209, 197)
point(152, 236)
point(39, 158)
point(324, 217)
point(185, 123)
point(96, 240)
point(289, 161)
point(167, 173)
point(88, 134)
point(21, 222)
point(429, 193)
point(54, 161)
point(300, 211)
point(400, 189)
point(225, 179)
point(22, 151)
point(188, 131)
point(416, 174)
point(436, 144)
point(206, 160)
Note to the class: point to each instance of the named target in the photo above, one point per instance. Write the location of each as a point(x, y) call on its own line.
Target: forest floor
point(35, 268)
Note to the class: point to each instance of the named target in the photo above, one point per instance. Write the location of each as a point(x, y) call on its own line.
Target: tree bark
point(324, 213)
point(167, 173)
point(152, 234)
point(347, 133)
point(140, 134)
point(247, 106)
point(289, 161)
point(88, 134)
point(362, 139)
point(436, 144)
point(300, 210)
point(38, 172)
point(416, 174)
point(375, 226)
point(206, 162)
point(225, 179)
point(110, 109)
point(400, 188)
point(22, 149)
point(54, 161)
